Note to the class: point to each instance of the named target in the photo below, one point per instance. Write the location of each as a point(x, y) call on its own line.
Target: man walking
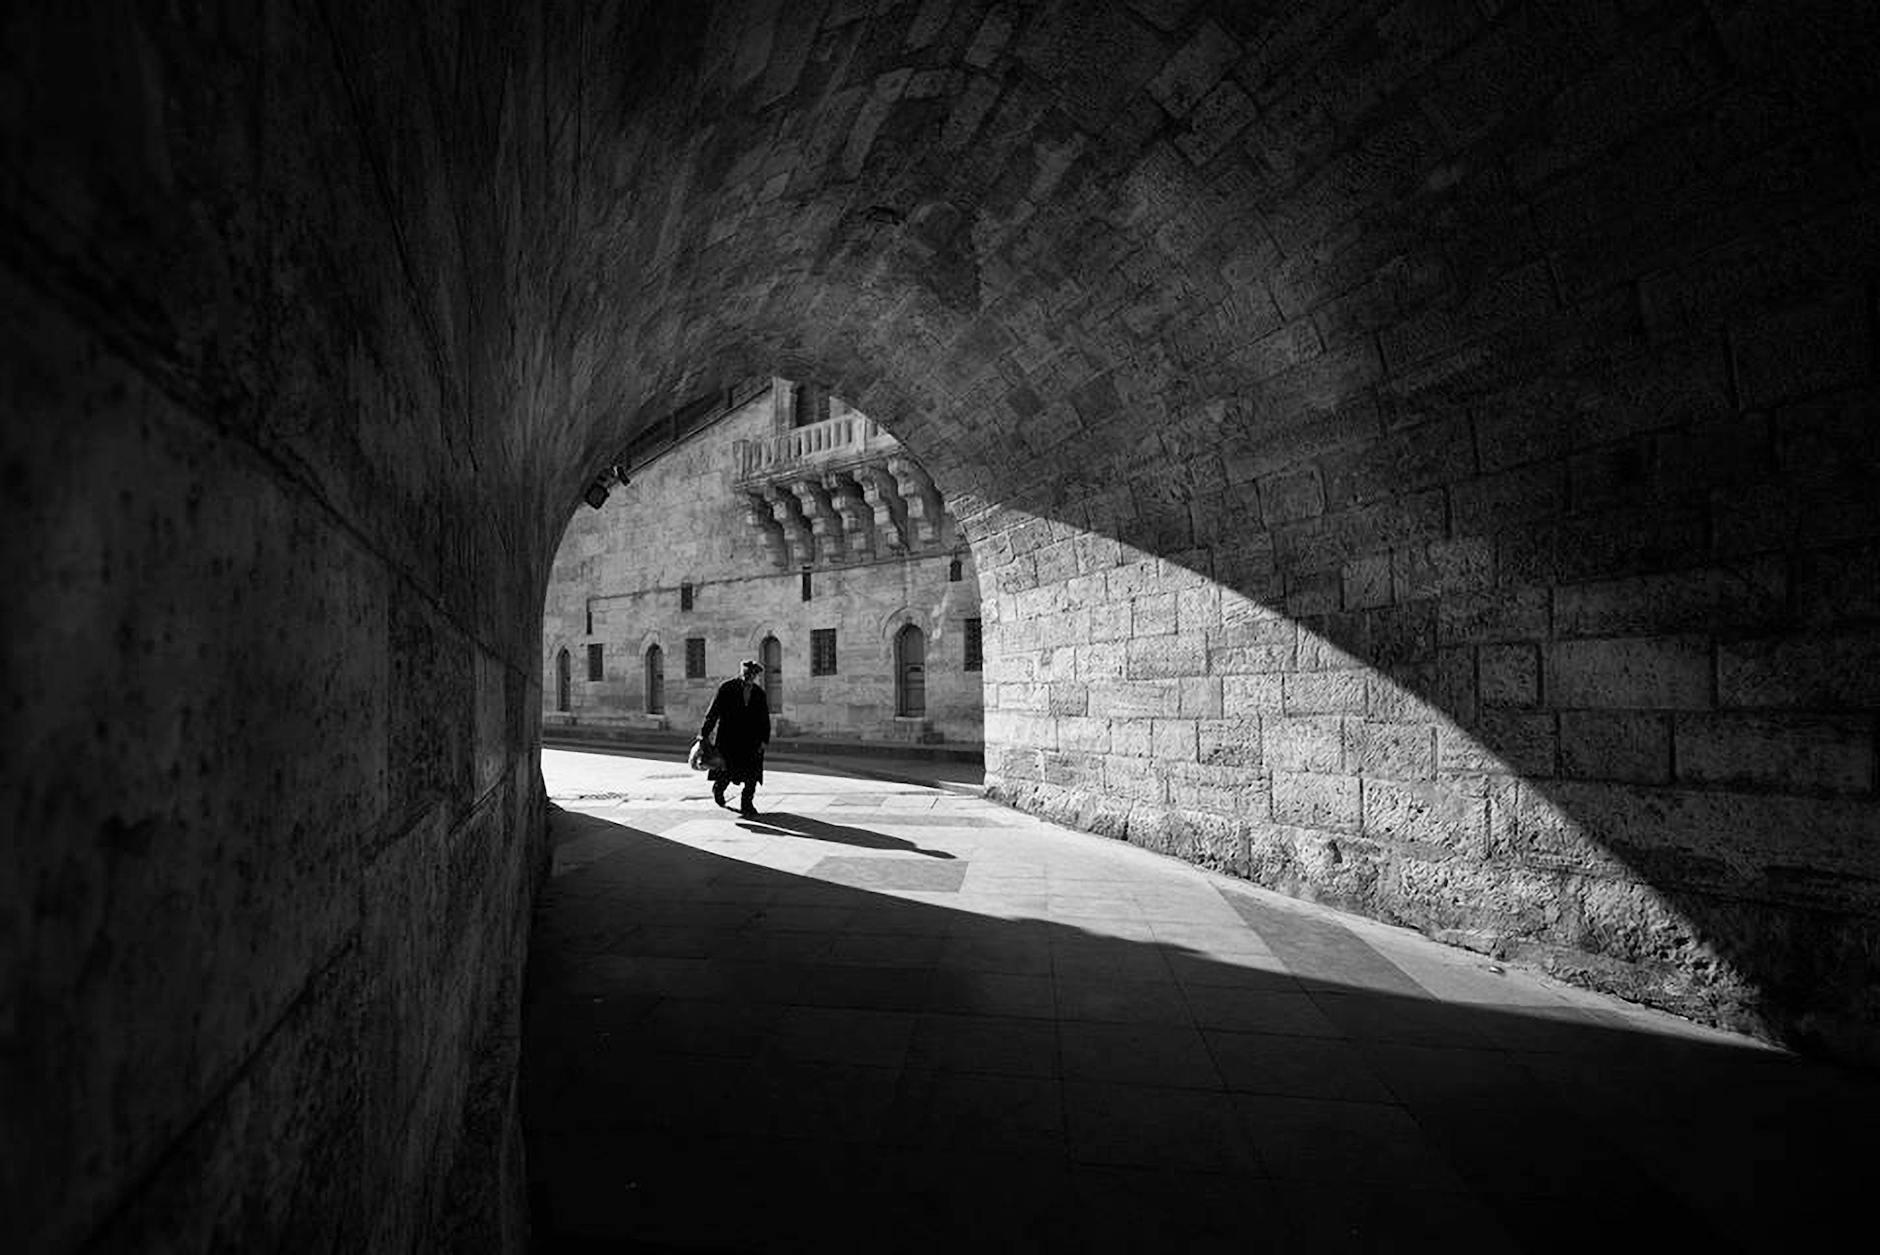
point(741, 714)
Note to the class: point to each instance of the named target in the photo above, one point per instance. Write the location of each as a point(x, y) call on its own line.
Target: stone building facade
point(774, 522)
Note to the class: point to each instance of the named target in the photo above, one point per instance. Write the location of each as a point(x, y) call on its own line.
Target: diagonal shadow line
point(784, 824)
point(999, 1083)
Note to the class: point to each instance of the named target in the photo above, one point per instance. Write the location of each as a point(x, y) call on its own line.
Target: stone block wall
point(1419, 455)
point(682, 519)
point(272, 817)
point(1512, 581)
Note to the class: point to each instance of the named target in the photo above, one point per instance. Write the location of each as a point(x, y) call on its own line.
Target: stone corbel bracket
point(758, 514)
point(831, 542)
point(788, 511)
point(858, 520)
point(923, 499)
point(883, 495)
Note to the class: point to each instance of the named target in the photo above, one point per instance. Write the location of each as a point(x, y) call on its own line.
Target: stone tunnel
point(1419, 455)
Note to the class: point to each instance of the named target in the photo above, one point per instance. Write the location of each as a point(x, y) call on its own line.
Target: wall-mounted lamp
point(596, 494)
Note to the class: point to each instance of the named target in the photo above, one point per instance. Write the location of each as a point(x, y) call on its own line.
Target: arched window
point(910, 672)
point(655, 680)
point(564, 680)
point(770, 653)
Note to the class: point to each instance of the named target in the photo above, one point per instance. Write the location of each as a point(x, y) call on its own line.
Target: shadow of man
point(783, 824)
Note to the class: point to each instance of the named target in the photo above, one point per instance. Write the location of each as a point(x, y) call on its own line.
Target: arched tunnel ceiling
point(1386, 319)
point(1281, 295)
point(1292, 299)
point(1419, 454)
point(1248, 220)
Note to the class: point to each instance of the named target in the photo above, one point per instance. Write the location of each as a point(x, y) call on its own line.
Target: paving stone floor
point(889, 1016)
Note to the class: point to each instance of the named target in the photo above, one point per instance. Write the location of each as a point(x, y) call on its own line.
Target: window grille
point(822, 651)
point(694, 657)
point(974, 658)
point(595, 670)
point(685, 596)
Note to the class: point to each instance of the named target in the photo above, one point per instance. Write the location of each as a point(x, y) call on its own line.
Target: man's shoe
point(749, 812)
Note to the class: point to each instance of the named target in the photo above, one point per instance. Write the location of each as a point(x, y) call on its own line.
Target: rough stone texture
point(272, 820)
point(318, 324)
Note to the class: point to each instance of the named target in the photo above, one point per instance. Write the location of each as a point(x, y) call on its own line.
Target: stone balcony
point(846, 438)
point(837, 491)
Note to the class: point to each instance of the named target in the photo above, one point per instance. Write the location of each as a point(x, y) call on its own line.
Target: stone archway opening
point(1403, 460)
point(775, 522)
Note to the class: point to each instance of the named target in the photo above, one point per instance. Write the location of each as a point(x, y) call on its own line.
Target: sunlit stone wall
point(1556, 646)
point(1435, 473)
point(684, 519)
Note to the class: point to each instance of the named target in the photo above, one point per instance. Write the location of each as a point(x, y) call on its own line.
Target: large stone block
point(1311, 743)
point(1135, 699)
point(1391, 751)
point(1508, 675)
point(1509, 615)
point(1249, 694)
point(1500, 741)
point(1651, 673)
point(1326, 692)
point(1829, 671)
point(1804, 351)
point(1174, 740)
point(1424, 814)
point(1737, 843)
point(1312, 800)
point(1200, 697)
point(1152, 616)
point(1367, 582)
point(1742, 596)
point(1167, 657)
point(1782, 753)
point(1231, 742)
point(1616, 745)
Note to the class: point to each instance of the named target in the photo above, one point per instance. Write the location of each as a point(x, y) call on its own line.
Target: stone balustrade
point(845, 438)
point(841, 490)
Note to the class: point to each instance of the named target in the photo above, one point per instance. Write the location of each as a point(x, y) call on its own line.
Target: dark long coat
point(743, 730)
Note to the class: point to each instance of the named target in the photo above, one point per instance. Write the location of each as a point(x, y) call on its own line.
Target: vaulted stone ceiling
point(1416, 454)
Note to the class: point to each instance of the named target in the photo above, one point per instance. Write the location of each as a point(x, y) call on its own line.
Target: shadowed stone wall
point(1420, 454)
point(274, 546)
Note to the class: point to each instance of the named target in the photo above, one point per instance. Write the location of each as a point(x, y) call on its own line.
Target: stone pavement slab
point(885, 1016)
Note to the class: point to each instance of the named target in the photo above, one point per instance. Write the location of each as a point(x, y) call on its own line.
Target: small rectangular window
point(974, 659)
point(595, 670)
point(685, 596)
point(806, 589)
point(694, 657)
point(822, 651)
